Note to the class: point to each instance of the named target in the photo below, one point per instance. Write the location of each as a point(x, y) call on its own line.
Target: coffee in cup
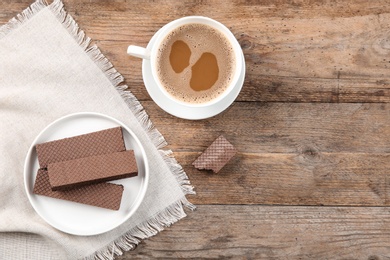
point(195, 63)
point(193, 67)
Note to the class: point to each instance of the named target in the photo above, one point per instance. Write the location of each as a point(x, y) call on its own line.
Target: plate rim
point(27, 173)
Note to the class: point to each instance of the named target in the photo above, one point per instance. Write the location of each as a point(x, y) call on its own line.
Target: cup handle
point(139, 52)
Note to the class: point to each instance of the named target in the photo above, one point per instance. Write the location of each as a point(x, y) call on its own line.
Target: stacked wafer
point(78, 168)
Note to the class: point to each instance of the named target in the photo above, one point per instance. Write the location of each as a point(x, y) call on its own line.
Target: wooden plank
point(294, 89)
point(297, 128)
point(291, 154)
point(261, 232)
point(309, 51)
point(293, 179)
point(288, 58)
point(266, 88)
point(302, 52)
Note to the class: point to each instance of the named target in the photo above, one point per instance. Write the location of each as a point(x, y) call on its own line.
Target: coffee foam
point(200, 38)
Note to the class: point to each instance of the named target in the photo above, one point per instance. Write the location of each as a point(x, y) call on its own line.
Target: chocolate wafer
point(93, 169)
point(104, 195)
point(91, 144)
point(216, 155)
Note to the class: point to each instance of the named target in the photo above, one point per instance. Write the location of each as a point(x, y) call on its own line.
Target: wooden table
point(312, 127)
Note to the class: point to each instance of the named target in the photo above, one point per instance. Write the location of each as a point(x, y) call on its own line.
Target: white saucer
point(80, 219)
point(178, 110)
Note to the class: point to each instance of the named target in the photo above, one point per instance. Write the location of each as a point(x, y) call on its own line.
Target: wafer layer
point(216, 155)
point(91, 144)
point(104, 195)
point(93, 169)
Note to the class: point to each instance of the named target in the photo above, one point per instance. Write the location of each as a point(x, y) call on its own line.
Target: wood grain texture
point(294, 179)
point(300, 51)
point(263, 232)
point(284, 44)
point(311, 126)
point(255, 127)
point(288, 153)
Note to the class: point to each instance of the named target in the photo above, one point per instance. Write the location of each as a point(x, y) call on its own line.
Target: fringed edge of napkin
point(174, 212)
point(21, 18)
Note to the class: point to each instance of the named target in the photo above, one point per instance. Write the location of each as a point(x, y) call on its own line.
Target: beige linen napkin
point(48, 69)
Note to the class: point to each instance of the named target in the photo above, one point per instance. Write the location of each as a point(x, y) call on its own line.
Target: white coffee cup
point(171, 104)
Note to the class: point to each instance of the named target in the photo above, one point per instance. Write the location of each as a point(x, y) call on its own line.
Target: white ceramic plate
point(80, 219)
point(178, 110)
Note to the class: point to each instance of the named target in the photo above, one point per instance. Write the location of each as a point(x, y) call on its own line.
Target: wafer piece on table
point(91, 144)
point(216, 155)
point(104, 195)
point(93, 169)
